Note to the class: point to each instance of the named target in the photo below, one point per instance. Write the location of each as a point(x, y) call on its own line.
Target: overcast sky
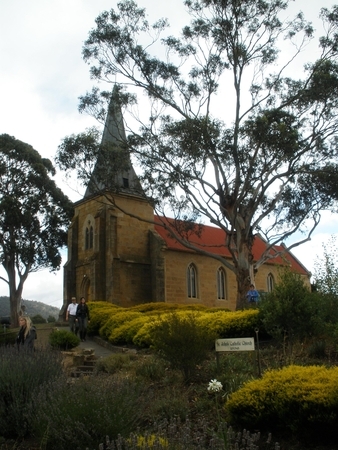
point(42, 74)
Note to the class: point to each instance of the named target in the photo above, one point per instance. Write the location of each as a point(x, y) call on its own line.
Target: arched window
point(270, 282)
point(89, 236)
point(192, 281)
point(221, 284)
point(87, 239)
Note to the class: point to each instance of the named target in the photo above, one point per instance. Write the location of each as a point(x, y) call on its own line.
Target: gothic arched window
point(89, 236)
point(192, 281)
point(270, 281)
point(221, 284)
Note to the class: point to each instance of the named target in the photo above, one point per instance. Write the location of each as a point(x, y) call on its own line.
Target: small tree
point(290, 310)
point(38, 319)
point(34, 217)
point(182, 342)
point(326, 287)
point(326, 269)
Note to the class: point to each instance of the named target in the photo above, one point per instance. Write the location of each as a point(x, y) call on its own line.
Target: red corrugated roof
point(212, 239)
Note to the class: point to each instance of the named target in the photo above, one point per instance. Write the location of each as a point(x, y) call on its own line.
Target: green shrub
point(22, 373)
point(63, 340)
point(301, 399)
point(38, 319)
point(317, 349)
point(114, 363)
point(151, 368)
point(182, 341)
point(51, 319)
point(8, 336)
point(290, 310)
point(79, 415)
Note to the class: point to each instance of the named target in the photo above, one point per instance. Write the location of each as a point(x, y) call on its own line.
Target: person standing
point(71, 316)
point(27, 334)
point(83, 318)
point(252, 294)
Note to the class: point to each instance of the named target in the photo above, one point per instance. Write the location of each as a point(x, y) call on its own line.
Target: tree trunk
point(243, 285)
point(244, 266)
point(15, 306)
point(15, 292)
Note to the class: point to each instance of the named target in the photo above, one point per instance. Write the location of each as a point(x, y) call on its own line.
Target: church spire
point(113, 170)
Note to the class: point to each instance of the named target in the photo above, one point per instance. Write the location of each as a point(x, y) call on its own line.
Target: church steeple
point(113, 170)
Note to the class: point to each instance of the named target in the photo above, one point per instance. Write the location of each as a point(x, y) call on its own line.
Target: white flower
point(215, 386)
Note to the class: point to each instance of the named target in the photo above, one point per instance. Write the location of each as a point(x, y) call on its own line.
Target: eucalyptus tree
point(34, 217)
point(234, 131)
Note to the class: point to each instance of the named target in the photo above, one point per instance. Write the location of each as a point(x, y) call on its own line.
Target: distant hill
point(32, 308)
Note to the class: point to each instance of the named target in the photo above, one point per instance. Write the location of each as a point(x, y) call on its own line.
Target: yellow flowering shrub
point(165, 307)
point(229, 324)
point(99, 314)
point(124, 334)
point(143, 338)
point(298, 398)
point(113, 322)
point(116, 319)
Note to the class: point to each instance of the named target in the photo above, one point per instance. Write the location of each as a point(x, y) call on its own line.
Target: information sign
point(235, 345)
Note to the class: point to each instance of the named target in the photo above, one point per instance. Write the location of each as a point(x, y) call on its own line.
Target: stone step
point(83, 363)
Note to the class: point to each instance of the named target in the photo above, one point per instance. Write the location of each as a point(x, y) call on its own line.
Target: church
point(119, 252)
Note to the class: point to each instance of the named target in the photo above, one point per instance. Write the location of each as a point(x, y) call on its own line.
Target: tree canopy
point(234, 131)
point(34, 216)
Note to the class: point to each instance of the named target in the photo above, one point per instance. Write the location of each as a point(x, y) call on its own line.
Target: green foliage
point(180, 340)
point(38, 319)
point(80, 414)
point(326, 270)
point(113, 363)
point(35, 215)
point(290, 310)
point(151, 368)
point(298, 399)
point(63, 340)
point(22, 374)
point(233, 370)
point(7, 336)
point(317, 349)
point(51, 319)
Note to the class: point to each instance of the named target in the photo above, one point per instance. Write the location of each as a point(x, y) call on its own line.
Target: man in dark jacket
point(82, 317)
